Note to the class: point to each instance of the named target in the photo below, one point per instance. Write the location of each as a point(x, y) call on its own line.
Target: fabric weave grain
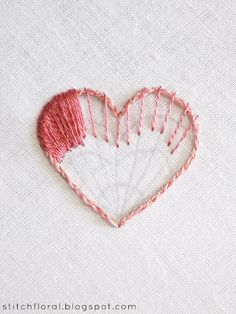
point(179, 257)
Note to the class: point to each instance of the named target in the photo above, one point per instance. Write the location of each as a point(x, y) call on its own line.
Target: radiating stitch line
point(91, 114)
point(101, 159)
point(132, 172)
point(94, 133)
point(167, 113)
point(163, 189)
point(81, 121)
point(106, 119)
point(79, 127)
point(118, 131)
point(127, 125)
point(141, 115)
point(178, 125)
point(77, 190)
point(183, 136)
point(147, 165)
point(157, 103)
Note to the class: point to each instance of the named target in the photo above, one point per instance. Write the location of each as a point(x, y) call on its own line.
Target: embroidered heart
point(70, 119)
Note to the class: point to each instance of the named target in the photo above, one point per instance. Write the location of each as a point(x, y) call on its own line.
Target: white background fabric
point(179, 255)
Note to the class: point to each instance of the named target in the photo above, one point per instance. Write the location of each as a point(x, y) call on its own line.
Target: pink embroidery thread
point(158, 91)
point(91, 115)
point(141, 114)
point(61, 127)
point(128, 125)
point(167, 114)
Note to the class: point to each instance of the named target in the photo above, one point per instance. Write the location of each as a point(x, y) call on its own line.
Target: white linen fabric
point(179, 255)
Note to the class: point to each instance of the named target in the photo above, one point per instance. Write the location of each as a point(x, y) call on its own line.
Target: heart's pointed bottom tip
point(121, 224)
point(118, 225)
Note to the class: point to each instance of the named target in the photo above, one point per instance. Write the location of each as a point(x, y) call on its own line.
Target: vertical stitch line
point(168, 113)
point(183, 136)
point(178, 126)
point(127, 125)
point(106, 119)
point(158, 96)
point(141, 115)
point(118, 131)
point(91, 114)
point(81, 120)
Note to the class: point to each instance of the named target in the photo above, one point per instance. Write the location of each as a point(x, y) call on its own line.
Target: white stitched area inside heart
point(121, 179)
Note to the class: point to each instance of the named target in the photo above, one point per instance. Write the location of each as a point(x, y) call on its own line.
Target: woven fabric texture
point(178, 256)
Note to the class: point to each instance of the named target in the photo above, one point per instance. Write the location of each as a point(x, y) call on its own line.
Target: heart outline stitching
point(70, 100)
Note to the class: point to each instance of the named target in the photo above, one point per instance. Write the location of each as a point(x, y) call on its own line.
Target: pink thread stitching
point(106, 118)
point(118, 131)
point(127, 125)
point(61, 127)
point(156, 108)
point(183, 136)
point(91, 115)
point(178, 124)
point(141, 114)
point(168, 113)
